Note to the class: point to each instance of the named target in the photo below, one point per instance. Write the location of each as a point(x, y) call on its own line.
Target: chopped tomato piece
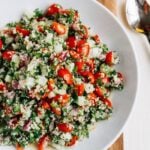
point(107, 102)
point(18, 147)
point(71, 42)
point(8, 54)
point(80, 89)
point(72, 141)
point(66, 75)
point(88, 75)
point(54, 9)
point(45, 104)
point(2, 86)
point(96, 39)
point(65, 127)
point(62, 99)
point(45, 95)
point(99, 92)
point(56, 110)
point(80, 43)
point(65, 99)
point(84, 31)
point(120, 76)
point(1, 44)
point(8, 32)
point(65, 12)
point(42, 142)
point(62, 55)
point(83, 48)
point(51, 84)
point(79, 65)
point(40, 29)
point(74, 54)
point(92, 97)
point(91, 77)
point(59, 28)
point(8, 110)
point(76, 16)
point(105, 80)
point(109, 58)
point(22, 31)
point(90, 63)
point(57, 67)
point(99, 75)
point(41, 18)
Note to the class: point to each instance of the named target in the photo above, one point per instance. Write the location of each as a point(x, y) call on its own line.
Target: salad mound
point(55, 79)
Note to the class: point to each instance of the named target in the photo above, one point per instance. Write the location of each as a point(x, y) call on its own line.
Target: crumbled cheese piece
point(35, 126)
point(8, 78)
point(15, 46)
point(49, 38)
point(33, 64)
point(22, 83)
point(8, 39)
point(116, 58)
point(102, 57)
point(82, 101)
point(44, 70)
point(91, 42)
point(42, 23)
point(28, 43)
point(61, 91)
point(26, 111)
point(51, 94)
point(2, 70)
point(117, 80)
point(66, 136)
point(34, 24)
point(89, 88)
point(78, 80)
point(29, 14)
point(58, 48)
point(41, 80)
point(30, 82)
point(70, 67)
point(95, 52)
point(37, 119)
point(48, 22)
point(33, 34)
point(16, 60)
point(98, 114)
point(81, 118)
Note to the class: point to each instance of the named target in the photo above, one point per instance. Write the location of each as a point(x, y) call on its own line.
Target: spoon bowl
point(138, 16)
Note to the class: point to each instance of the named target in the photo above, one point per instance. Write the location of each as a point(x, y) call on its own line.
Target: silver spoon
point(138, 16)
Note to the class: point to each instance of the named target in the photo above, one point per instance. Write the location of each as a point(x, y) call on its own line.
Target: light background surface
point(137, 130)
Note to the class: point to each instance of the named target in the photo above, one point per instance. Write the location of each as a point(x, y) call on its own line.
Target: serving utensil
point(138, 16)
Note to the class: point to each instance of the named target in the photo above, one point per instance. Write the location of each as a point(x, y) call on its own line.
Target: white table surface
point(137, 129)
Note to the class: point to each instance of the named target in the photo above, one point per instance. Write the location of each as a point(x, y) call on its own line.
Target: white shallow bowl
point(112, 33)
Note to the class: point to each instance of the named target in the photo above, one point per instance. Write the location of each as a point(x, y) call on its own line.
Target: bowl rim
point(136, 68)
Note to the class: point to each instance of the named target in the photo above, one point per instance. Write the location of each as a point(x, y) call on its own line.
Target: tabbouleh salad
point(55, 79)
